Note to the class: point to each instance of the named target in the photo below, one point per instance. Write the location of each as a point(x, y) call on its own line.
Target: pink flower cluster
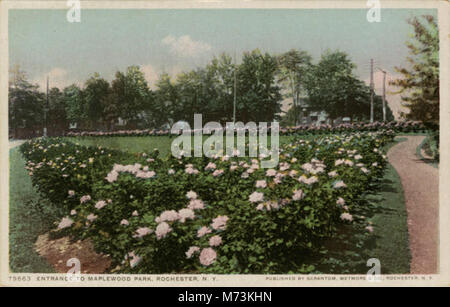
point(268, 205)
point(339, 184)
point(220, 222)
point(135, 259)
point(256, 197)
point(308, 181)
point(65, 223)
point(261, 184)
point(100, 204)
point(207, 256)
point(203, 231)
point(162, 230)
point(346, 217)
point(142, 231)
point(189, 169)
point(85, 199)
point(298, 195)
point(136, 169)
point(191, 251)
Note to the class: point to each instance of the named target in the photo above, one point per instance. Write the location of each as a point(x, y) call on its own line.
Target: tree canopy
point(260, 82)
point(419, 83)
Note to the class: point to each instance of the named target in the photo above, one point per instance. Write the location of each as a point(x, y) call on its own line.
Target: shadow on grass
point(353, 245)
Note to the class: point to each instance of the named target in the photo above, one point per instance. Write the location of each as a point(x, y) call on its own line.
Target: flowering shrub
point(221, 215)
point(399, 127)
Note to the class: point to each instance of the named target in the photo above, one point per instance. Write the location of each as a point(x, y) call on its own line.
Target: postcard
point(224, 143)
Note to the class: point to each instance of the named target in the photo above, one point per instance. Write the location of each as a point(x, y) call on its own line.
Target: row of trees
point(261, 81)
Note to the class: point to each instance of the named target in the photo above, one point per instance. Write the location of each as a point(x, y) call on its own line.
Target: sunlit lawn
point(143, 143)
point(29, 216)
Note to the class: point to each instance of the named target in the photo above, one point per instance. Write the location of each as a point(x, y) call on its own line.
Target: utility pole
point(384, 93)
point(45, 113)
point(371, 90)
point(234, 98)
point(384, 96)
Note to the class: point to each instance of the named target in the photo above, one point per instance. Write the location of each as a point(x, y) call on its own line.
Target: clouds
point(58, 77)
point(61, 78)
point(152, 73)
point(185, 46)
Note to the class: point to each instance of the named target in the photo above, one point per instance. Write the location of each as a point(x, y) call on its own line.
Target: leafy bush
point(221, 215)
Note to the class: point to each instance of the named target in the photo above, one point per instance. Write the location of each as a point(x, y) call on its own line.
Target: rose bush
point(152, 214)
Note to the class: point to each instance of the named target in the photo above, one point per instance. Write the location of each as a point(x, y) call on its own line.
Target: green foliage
point(332, 86)
point(420, 82)
point(25, 103)
point(260, 79)
point(294, 67)
point(74, 104)
point(129, 97)
point(166, 105)
point(258, 96)
point(56, 116)
point(210, 91)
point(254, 240)
point(95, 93)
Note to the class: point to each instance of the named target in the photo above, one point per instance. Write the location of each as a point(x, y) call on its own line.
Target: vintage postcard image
point(224, 143)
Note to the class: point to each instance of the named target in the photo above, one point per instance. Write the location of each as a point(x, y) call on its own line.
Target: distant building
point(310, 116)
point(120, 122)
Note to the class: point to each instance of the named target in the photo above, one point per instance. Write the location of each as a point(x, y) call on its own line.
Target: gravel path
point(15, 143)
point(420, 183)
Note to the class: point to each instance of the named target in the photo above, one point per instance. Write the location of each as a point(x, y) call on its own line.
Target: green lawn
point(348, 252)
point(391, 246)
point(142, 143)
point(31, 216)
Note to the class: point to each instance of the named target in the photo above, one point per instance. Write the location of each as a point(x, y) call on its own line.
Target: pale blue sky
point(43, 42)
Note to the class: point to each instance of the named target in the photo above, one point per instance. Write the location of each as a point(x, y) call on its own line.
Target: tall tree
point(293, 68)
point(130, 97)
point(189, 87)
point(25, 103)
point(332, 86)
point(258, 95)
point(56, 117)
point(96, 90)
point(221, 72)
point(166, 106)
point(75, 105)
point(420, 82)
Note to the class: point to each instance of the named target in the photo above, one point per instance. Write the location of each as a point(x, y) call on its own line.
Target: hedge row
point(398, 127)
